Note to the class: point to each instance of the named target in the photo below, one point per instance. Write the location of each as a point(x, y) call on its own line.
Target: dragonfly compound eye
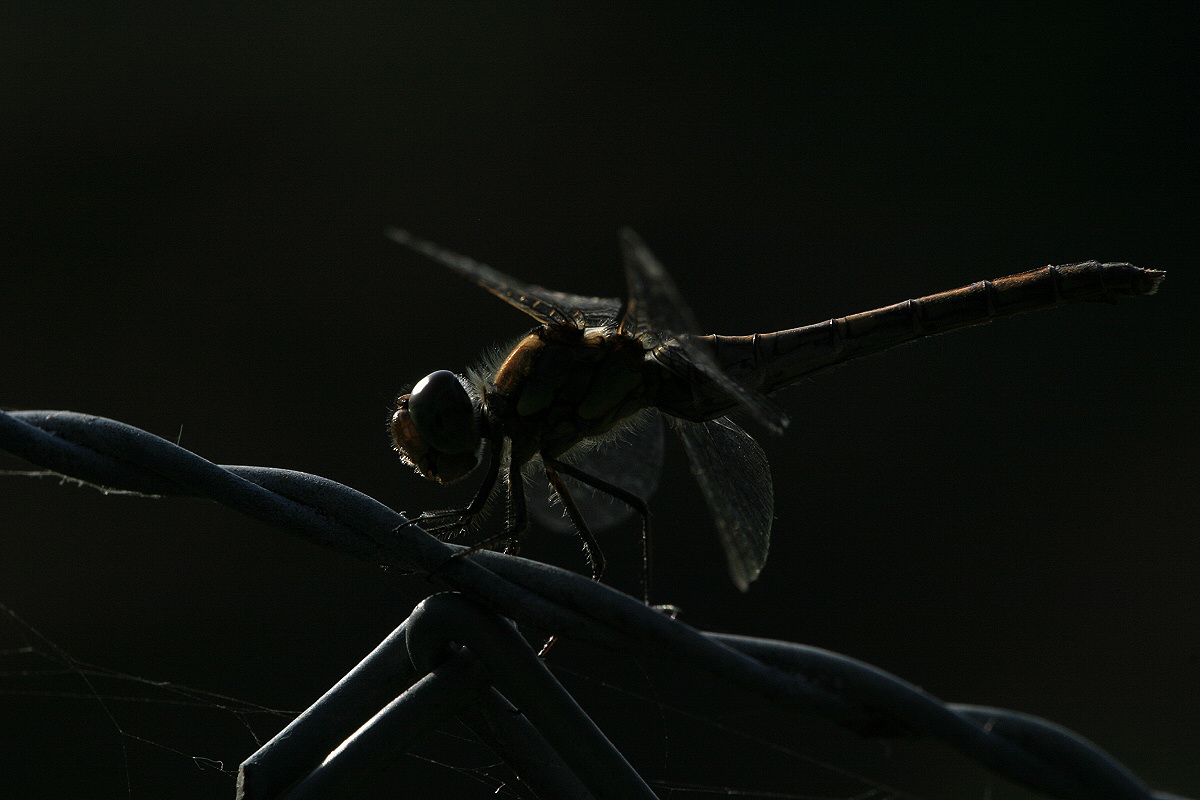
point(443, 413)
point(435, 429)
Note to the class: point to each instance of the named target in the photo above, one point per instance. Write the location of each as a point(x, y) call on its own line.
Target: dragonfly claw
point(448, 524)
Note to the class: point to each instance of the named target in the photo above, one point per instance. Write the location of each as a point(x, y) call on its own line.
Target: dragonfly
point(595, 367)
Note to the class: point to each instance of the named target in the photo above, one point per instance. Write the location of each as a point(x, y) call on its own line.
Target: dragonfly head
point(435, 428)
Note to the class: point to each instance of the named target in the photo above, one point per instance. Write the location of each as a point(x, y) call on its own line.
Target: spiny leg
point(518, 517)
point(452, 522)
point(595, 558)
point(628, 498)
point(516, 520)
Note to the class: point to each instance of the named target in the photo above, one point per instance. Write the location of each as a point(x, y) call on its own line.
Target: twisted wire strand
point(1021, 748)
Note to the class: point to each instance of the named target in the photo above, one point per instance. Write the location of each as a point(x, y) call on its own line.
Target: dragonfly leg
point(628, 498)
point(595, 558)
point(452, 522)
point(518, 518)
point(516, 522)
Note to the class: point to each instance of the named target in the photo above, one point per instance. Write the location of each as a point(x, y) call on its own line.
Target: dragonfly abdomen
point(769, 361)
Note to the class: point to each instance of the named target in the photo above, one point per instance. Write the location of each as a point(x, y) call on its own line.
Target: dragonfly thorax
point(560, 386)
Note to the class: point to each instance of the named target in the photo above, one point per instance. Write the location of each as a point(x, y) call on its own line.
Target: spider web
point(134, 736)
point(114, 729)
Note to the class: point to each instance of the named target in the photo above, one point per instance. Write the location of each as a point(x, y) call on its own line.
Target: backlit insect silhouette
point(594, 365)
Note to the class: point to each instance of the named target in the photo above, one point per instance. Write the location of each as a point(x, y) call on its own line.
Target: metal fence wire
point(459, 654)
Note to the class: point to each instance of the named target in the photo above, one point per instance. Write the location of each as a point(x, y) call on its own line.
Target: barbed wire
point(113, 456)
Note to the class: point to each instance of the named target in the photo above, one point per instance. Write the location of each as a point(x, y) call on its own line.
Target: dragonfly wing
point(587, 312)
point(655, 306)
point(733, 473)
point(545, 305)
point(657, 313)
point(633, 462)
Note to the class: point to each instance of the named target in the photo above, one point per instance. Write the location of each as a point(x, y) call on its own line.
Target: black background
point(193, 207)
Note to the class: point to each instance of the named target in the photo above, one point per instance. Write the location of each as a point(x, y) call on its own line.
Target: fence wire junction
point(552, 745)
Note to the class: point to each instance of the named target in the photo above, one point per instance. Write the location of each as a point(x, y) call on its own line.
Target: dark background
point(193, 207)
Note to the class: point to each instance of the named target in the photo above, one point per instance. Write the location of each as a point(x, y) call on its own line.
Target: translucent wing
point(545, 305)
point(587, 312)
point(733, 473)
point(632, 461)
point(656, 313)
point(655, 310)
